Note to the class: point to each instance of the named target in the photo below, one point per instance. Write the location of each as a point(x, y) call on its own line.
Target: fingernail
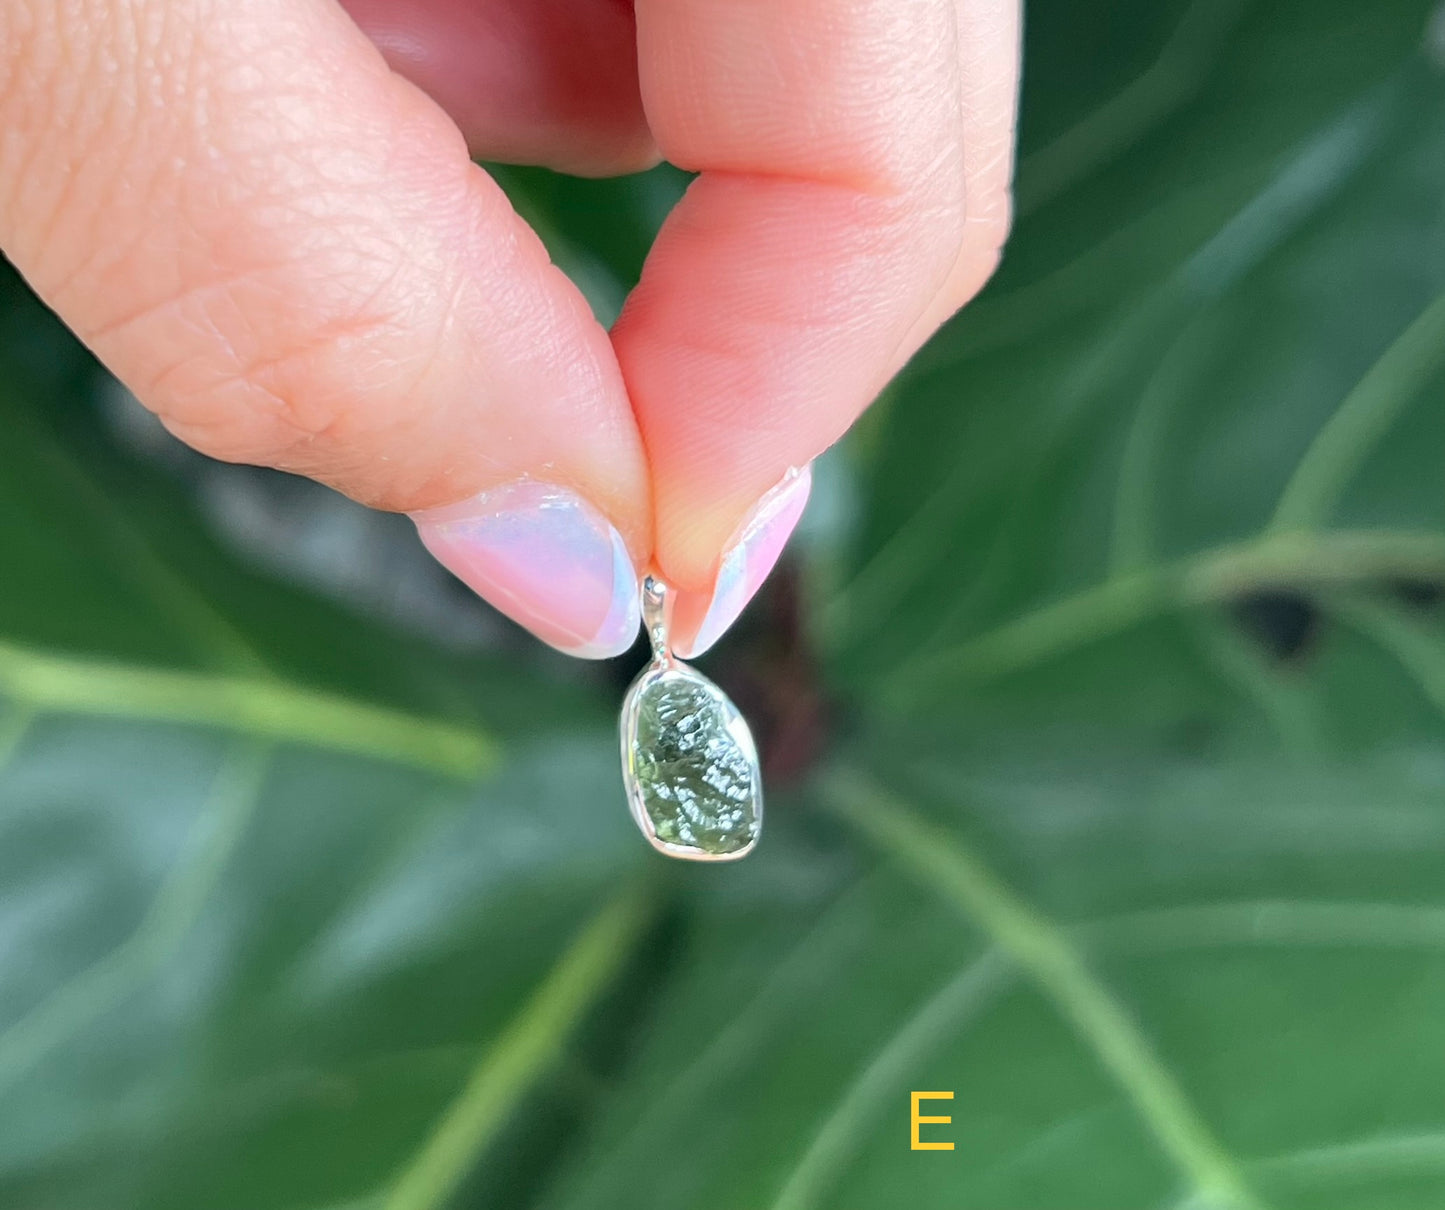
point(547, 559)
point(749, 557)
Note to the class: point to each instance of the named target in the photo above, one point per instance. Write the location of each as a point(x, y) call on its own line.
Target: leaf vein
point(1294, 560)
point(261, 707)
point(1059, 971)
point(529, 1044)
point(1340, 448)
point(175, 909)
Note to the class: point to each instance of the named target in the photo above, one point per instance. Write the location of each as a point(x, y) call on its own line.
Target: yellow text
point(917, 1120)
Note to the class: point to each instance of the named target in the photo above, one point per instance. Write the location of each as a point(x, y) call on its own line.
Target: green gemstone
point(691, 764)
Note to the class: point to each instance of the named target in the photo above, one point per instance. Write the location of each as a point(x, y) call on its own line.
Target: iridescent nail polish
point(750, 555)
point(547, 559)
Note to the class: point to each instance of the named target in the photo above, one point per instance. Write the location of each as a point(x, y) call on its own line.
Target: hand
point(276, 237)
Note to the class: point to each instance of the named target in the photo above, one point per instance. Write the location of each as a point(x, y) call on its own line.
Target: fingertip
point(701, 618)
point(853, 163)
point(764, 323)
point(546, 558)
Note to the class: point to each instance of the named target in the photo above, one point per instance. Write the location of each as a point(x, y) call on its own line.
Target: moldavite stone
point(691, 768)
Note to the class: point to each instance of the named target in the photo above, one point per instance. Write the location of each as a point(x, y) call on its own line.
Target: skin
point(264, 217)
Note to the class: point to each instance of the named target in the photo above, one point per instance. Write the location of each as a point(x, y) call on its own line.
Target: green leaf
point(1140, 626)
point(1127, 829)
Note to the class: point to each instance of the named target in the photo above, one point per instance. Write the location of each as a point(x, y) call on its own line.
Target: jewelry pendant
point(688, 759)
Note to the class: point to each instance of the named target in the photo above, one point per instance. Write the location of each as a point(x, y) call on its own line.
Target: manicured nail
point(749, 557)
point(547, 559)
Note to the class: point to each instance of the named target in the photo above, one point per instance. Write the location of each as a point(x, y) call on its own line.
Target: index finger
point(840, 214)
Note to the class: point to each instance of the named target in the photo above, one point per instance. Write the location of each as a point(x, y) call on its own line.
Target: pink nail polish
point(750, 556)
point(545, 558)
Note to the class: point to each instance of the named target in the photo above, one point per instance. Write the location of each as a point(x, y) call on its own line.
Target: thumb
point(284, 250)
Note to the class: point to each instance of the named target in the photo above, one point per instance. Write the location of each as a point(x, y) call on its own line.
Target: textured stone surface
point(696, 782)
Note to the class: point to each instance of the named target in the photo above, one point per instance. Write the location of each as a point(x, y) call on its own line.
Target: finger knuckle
point(260, 380)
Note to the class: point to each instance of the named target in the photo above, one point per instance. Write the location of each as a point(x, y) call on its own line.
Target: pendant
point(688, 759)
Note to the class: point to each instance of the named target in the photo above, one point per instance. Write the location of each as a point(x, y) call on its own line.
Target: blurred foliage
point(1113, 791)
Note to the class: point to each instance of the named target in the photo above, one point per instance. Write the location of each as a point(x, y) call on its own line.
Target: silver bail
point(657, 600)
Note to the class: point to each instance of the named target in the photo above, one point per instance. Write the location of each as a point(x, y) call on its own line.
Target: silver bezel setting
point(737, 728)
point(656, 612)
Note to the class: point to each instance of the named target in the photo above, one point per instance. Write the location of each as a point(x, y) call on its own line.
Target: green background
point(1102, 701)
